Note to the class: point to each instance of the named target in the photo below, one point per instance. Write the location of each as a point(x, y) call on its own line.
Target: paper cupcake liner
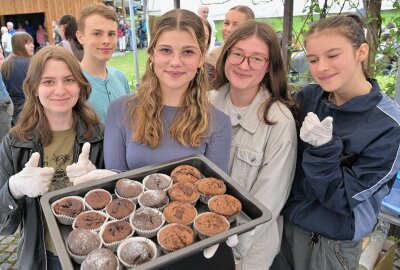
point(164, 249)
point(164, 175)
point(136, 239)
point(205, 198)
point(230, 218)
point(97, 189)
point(203, 236)
point(134, 199)
point(114, 245)
point(63, 219)
point(124, 218)
point(96, 230)
point(77, 258)
point(158, 208)
point(148, 233)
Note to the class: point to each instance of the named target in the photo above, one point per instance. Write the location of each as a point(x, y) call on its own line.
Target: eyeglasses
point(187, 56)
point(255, 62)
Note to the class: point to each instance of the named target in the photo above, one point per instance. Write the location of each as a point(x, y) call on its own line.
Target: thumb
point(33, 161)
point(84, 155)
point(327, 122)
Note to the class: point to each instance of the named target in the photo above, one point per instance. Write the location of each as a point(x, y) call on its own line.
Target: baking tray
point(253, 212)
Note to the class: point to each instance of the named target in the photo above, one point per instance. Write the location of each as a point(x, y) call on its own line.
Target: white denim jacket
point(262, 160)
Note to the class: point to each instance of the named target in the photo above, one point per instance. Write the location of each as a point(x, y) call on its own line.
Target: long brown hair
point(18, 41)
point(192, 122)
point(32, 120)
point(275, 79)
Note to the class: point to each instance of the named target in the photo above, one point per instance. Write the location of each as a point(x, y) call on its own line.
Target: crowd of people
point(321, 162)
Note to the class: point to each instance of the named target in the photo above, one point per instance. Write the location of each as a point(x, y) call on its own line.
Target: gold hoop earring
point(151, 66)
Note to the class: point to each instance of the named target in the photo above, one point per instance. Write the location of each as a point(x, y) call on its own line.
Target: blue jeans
point(326, 254)
point(53, 262)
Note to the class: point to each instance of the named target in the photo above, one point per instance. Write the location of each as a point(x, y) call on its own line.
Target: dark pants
point(326, 254)
point(53, 262)
point(17, 110)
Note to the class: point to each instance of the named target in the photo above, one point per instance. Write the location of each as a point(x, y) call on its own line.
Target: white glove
point(315, 132)
point(231, 242)
point(91, 176)
point(83, 166)
point(32, 181)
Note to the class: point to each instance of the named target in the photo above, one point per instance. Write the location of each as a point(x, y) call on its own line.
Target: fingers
point(232, 240)
point(327, 122)
point(209, 252)
point(85, 152)
point(33, 161)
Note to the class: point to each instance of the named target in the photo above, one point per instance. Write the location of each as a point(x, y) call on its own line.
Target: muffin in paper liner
point(213, 221)
point(162, 201)
point(96, 190)
point(177, 210)
point(178, 234)
point(129, 182)
point(97, 229)
point(114, 245)
point(99, 261)
point(63, 219)
point(126, 218)
point(234, 205)
point(166, 177)
point(217, 187)
point(139, 250)
point(184, 192)
point(147, 233)
point(79, 258)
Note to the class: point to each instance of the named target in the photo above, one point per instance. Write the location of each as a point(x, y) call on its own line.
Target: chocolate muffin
point(115, 231)
point(180, 212)
point(97, 199)
point(225, 205)
point(120, 208)
point(209, 224)
point(185, 173)
point(211, 186)
point(147, 221)
point(175, 236)
point(90, 220)
point(68, 206)
point(127, 188)
point(82, 242)
point(157, 181)
point(184, 192)
point(100, 259)
point(154, 199)
point(136, 251)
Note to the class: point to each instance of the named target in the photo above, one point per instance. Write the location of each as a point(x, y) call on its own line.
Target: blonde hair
point(32, 120)
point(192, 122)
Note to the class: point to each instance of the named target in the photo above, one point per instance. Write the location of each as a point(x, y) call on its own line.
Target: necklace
point(240, 111)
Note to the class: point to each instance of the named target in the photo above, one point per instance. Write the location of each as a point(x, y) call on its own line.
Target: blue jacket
point(338, 187)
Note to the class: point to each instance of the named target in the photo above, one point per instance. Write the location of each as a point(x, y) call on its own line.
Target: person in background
point(10, 28)
point(251, 89)
point(97, 32)
point(68, 27)
point(41, 36)
point(6, 105)
point(121, 37)
point(51, 132)
point(203, 13)
point(29, 29)
point(348, 155)
point(170, 116)
point(6, 41)
point(20, 28)
point(14, 70)
point(209, 69)
point(233, 18)
point(141, 30)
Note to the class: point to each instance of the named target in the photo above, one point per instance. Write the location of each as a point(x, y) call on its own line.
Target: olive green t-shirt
point(58, 155)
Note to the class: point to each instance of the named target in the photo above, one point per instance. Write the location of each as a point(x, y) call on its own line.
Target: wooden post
point(287, 32)
point(123, 10)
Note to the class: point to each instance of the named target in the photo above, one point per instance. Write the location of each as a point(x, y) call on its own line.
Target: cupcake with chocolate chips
point(157, 181)
point(136, 251)
point(185, 173)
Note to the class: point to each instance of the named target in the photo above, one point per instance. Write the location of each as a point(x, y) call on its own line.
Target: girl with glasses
point(252, 91)
point(170, 116)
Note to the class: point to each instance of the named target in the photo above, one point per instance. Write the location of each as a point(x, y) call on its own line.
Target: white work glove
point(32, 181)
point(315, 132)
point(83, 166)
point(91, 176)
point(231, 242)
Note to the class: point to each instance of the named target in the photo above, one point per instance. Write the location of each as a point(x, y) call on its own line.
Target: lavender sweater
point(121, 153)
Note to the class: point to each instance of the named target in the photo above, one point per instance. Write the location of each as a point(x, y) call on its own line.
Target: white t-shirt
point(6, 40)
